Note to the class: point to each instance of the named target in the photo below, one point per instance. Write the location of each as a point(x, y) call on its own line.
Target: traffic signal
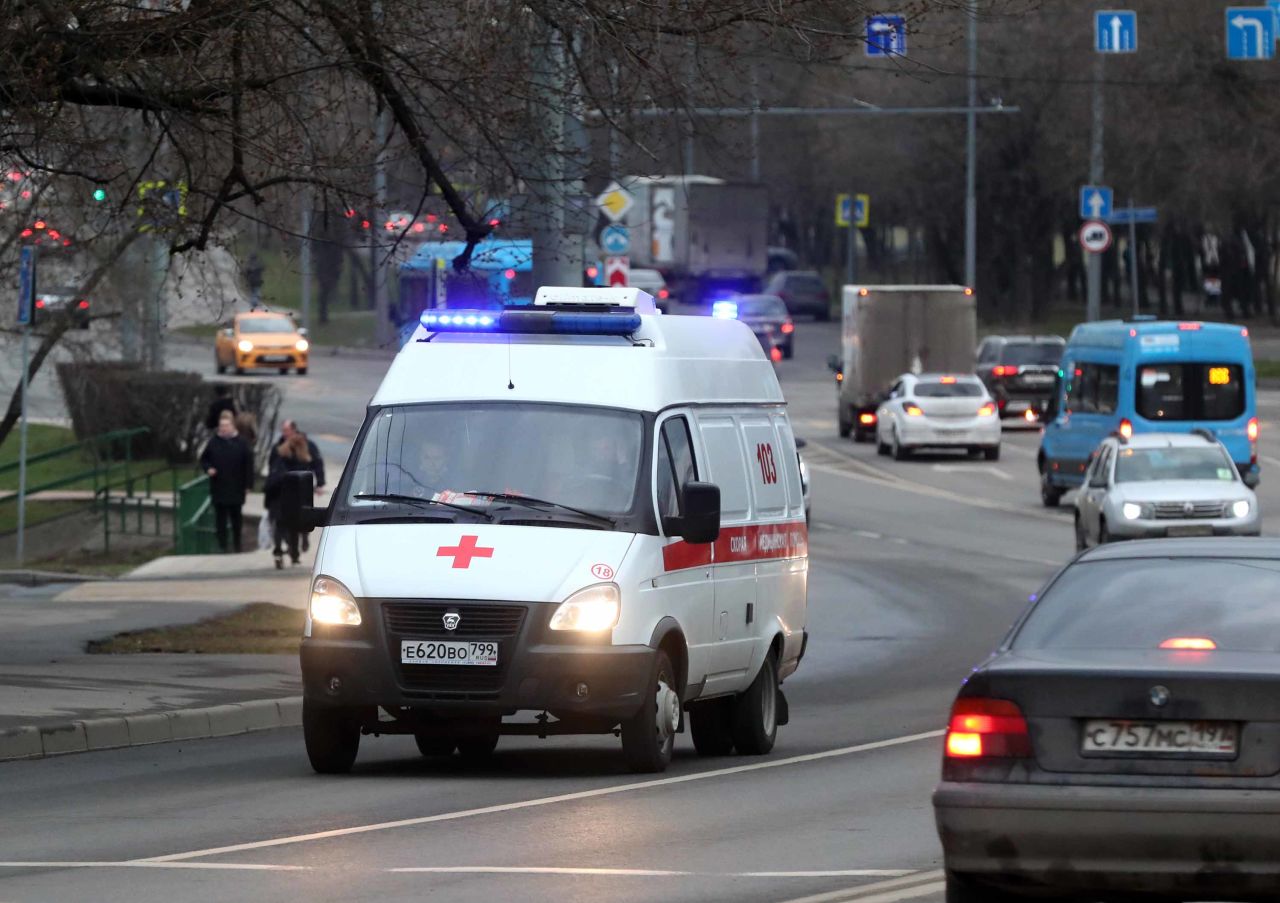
point(99, 195)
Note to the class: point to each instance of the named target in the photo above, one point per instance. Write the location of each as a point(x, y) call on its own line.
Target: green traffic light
point(99, 194)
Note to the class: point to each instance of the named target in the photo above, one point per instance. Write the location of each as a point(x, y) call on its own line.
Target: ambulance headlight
point(302, 345)
point(332, 603)
point(245, 346)
point(588, 610)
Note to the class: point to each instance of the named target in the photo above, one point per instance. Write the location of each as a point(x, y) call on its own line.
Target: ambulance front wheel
point(649, 736)
point(332, 736)
point(755, 713)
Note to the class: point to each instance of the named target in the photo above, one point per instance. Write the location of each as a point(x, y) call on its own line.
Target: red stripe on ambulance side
point(754, 542)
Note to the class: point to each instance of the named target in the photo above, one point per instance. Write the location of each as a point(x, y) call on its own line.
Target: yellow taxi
point(260, 339)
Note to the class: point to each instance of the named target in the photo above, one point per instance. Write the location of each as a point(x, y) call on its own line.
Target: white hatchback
point(934, 410)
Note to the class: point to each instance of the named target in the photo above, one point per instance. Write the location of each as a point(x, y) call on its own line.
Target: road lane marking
point(547, 800)
point(641, 873)
point(910, 893)
point(849, 893)
point(837, 873)
point(146, 864)
point(973, 468)
point(1274, 462)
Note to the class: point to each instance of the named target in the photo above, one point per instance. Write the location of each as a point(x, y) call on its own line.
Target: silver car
point(1163, 484)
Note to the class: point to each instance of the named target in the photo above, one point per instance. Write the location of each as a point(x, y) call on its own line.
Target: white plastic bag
point(265, 540)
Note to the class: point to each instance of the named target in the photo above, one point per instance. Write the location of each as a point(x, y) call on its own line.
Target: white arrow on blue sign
point(1115, 31)
point(1251, 32)
point(1095, 201)
point(615, 240)
point(887, 35)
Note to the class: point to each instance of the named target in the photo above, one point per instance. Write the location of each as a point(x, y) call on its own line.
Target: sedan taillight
point(987, 729)
point(987, 410)
point(913, 410)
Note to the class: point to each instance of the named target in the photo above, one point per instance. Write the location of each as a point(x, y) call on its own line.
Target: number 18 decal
point(768, 469)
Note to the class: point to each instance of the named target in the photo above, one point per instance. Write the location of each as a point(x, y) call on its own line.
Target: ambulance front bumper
point(536, 671)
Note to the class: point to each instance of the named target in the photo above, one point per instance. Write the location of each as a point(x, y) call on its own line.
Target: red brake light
point(1126, 429)
point(1192, 643)
point(83, 305)
point(593, 271)
point(866, 419)
point(1188, 327)
point(986, 410)
point(788, 327)
point(1004, 370)
point(40, 303)
point(1244, 331)
point(987, 728)
point(664, 294)
point(1253, 429)
point(775, 354)
point(947, 380)
point(510, 274)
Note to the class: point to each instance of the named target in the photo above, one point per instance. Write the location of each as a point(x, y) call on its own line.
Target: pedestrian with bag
point(289, 429)
point(290, 456)
point(228, 461)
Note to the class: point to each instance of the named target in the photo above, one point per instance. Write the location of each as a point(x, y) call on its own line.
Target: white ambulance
point(575, 517)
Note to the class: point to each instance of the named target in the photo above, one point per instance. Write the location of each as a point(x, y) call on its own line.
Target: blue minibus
point(1145, 376)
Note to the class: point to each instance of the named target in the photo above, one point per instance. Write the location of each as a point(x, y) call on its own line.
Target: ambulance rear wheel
point(649, 737)
point(332, 736)
point(755, 713)
point(433, 745)
point(710, 725)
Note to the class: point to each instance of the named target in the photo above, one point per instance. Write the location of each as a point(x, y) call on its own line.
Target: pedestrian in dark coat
point(288, 430)
point(289, 456)
point(228, 461)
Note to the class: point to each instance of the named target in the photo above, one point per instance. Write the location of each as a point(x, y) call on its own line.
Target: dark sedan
point(803, 291)
point(1124, 741)
point(767, 313)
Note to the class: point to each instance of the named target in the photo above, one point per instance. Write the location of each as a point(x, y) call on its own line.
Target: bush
point(114, 395)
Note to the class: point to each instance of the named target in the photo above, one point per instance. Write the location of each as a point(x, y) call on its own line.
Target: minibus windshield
point(464, 455)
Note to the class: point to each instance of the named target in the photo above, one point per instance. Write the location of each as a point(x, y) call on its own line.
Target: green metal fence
point(193, 519)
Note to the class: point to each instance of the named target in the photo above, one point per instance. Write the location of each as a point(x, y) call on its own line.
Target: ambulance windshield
point(573, 457)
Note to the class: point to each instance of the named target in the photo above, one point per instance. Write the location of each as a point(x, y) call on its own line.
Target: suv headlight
point(593, 609)
point(332, 603)
point(1131, 510)
point(1240, 508)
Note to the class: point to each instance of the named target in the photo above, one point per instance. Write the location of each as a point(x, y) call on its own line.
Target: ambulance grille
point(477, 621)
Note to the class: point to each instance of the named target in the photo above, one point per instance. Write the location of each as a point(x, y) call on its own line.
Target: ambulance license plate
point(448, 652)
point(1160, 738)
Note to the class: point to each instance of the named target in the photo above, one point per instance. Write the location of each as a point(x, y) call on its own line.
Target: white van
point(582, 510)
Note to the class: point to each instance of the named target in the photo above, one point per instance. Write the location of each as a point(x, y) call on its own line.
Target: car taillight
point(913, 410)
point(83, 305)
point(987, 728)
point(867, 419)
point(775, 354)
point(1253, 429)
point(1030, 415)
point(788, 327)
point(1126, 429)
point(1004, 370)
point(986, 410)
point(664, 294)
point(1189, 643)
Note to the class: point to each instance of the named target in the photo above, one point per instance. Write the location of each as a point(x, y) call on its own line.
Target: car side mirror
point(1252, 478)
point(833, 363)
point(228, 332)
point(700, 522)
point(801, 443)
point(302, 331)
point(297, 503)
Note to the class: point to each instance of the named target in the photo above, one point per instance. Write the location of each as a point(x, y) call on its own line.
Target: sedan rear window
point(1140, 465)
point(939, 389)
point(1020, 353)
point(1141, 603)
point(762, 307)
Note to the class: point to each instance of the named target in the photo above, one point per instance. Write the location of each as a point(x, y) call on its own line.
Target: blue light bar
point(725, 310)
point(526, 321)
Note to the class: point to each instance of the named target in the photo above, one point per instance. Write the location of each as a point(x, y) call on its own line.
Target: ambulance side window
point(676, 465)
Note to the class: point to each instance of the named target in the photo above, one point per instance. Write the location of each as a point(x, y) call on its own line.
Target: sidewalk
point(55, 697)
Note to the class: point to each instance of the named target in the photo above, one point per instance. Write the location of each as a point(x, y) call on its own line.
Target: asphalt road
point(917, 568)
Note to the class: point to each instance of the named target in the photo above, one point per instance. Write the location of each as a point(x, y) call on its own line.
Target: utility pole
point(971, 159)
point(304, 259)
point(1093, 274)
point(755, 126)
point(26, 309)
point(1133, 256)
point(382, 323)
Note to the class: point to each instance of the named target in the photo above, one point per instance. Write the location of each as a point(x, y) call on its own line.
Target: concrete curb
point(27, 577)
point(93, 734)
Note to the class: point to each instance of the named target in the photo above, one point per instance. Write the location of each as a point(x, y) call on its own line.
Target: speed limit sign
point(1095, 236)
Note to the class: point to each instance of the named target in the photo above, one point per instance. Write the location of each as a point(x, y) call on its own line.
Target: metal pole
point(850, 255)
point(971, 161)
point(304, 260)
point(1133, 258)
point(1093, 303)
point(755, 127)
point(22, 449)
point(382, 323)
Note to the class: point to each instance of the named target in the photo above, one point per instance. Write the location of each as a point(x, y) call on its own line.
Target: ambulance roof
point(669, 360)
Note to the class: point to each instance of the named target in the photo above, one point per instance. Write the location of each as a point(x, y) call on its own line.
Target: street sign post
point(1115, 31)
point(1250, 32)
point(1129, 215)
point(1095, 201)
point(853, 210)
point(844, 211)
point(614, 202)
point(1095, 236)
point(615, 239)
point(26, 307)
point(887, 35)
point(617, 271)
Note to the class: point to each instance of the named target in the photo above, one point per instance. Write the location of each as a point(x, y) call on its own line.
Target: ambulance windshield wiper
point(532, 502)
point(424, 503)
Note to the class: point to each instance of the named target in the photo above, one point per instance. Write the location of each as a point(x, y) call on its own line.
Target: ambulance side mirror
point(297, 508)
point(700, 522)
point(833, 363)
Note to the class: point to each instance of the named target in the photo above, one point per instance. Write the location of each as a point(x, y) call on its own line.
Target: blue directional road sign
point(615, 240)
point(1126, 215)
point(1275, 15)
point(1251, 32)
point(1095, 201)
point(887, 35)
point(26, 284)
point(1115, 31)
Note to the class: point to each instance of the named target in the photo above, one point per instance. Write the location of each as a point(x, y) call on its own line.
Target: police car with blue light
point(575, 517)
